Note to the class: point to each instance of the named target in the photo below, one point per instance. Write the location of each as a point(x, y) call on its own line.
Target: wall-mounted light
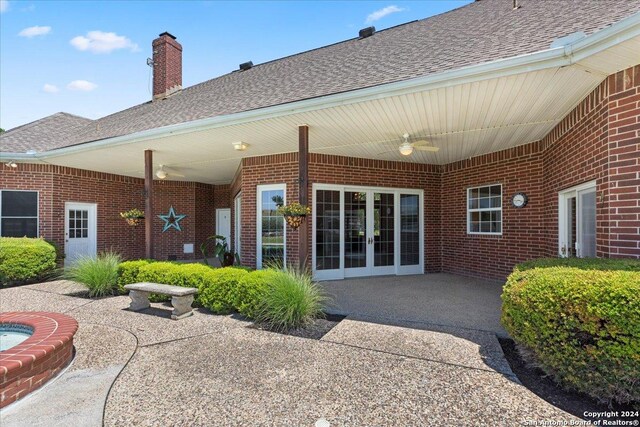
point(11, 164)
point(240, 146)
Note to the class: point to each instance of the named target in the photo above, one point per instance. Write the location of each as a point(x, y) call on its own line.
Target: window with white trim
point(271, 228)
point(18, 213)
point(484, 210)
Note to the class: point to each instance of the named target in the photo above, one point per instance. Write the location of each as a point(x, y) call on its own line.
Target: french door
point(577, 221)
point(360, 231)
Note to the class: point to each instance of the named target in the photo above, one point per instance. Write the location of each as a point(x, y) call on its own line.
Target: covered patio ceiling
point(465, 113)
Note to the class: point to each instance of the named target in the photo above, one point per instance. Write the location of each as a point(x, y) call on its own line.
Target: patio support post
point(303, 192)
point(148, 203)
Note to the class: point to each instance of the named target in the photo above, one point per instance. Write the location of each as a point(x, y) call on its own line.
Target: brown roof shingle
point(482, 31)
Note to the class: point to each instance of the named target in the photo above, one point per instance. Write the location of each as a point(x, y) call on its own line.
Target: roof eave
point(557, 57)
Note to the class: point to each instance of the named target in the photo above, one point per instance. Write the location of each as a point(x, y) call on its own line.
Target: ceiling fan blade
point(386, 152)
point(429, 148)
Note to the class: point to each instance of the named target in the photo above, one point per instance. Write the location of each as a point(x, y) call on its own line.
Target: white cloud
point(82, 85)
point(34, 31)
point(49, 88)
point(101, 42)
point(381, 13)
point(4, 5)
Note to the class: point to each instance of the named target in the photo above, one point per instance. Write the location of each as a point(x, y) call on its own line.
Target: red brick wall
point(523, 230)
point(624, 163)
point(167, 68)
point(114, 194)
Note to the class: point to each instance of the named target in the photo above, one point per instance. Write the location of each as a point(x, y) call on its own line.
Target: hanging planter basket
point(294, 214)
point(133, 217)
point(134, 221)
point(294, 221)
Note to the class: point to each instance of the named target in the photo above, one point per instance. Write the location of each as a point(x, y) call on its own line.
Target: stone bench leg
point(139, 300)
point(181, 307)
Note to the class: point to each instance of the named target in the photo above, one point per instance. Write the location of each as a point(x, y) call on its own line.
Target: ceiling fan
point(161, 173)
point(406, 148)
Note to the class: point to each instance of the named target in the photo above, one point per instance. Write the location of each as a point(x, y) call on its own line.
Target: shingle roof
point(482, 31)
point(54, 131)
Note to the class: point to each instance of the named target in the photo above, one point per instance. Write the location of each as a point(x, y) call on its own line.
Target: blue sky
point(89, 58)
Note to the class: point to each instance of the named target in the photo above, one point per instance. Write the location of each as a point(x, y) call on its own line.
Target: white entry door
point(223, 224)
point(577, 221)
point(79, 231)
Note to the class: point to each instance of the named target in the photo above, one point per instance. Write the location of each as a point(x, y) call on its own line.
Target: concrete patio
point(438, 298)
point(145, 369)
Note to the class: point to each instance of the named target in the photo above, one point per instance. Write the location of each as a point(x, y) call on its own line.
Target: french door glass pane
point(272, 228)
point(355, 229)
point(409, 229)
point(383, 229)
point(588, 224)
point(327, 230)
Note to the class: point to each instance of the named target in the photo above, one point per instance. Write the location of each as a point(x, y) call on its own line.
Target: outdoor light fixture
point(240, 146)
point(406, 148)
point(161, 173)
point(11, 164)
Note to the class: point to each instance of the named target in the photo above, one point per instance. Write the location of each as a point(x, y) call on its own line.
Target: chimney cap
point(366, 32)
point(166, 33)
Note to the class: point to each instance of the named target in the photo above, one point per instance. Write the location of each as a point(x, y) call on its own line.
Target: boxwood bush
point(218, 290)
point(580, 322)
point(24, 260)
point(251, 290)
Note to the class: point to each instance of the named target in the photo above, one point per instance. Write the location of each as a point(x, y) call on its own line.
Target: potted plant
point(220, 250)
point(133, 216)
point(294, 213)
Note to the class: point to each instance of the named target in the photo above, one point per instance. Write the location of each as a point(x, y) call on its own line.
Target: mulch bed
point(315, 330)
point(546, 388)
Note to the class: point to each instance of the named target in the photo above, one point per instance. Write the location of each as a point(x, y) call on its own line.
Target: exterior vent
point(366, 32)
point(246, 65)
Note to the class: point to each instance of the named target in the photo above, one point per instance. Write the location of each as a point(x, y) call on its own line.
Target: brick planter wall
point(29, 365)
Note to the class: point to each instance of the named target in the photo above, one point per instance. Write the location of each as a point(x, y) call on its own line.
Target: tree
point(1, 130)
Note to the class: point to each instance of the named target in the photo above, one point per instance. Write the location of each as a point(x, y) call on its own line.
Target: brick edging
point(32, 363)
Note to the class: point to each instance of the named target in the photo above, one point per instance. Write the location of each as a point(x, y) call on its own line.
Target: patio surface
point(437, 298)
point(145, 369)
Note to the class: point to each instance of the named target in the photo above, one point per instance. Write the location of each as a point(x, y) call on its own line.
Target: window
point(484, 210)
point(271, 228)
point(18, 213)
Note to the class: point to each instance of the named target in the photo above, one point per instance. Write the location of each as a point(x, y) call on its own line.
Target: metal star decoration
point(172, 220)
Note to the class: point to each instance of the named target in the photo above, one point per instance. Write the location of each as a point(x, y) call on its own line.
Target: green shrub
point(24, 260)
point(291, 301)
point(175, 274)
point(218, 290)
point(128, 273)
point(251, 290)
point(99, 274)
point(583, 263)
point(580, 323)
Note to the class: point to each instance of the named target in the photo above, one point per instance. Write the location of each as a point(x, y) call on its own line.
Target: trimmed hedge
point(24, 260)
point(218, 290)
point(580, 320)
point(251, 290)
point(128, 273)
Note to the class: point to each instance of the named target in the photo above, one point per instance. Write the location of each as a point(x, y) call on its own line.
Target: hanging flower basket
point(133, 217)
point(294, 221)
point(294, 214)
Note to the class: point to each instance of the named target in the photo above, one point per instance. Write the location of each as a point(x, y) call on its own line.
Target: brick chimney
point(167, 66)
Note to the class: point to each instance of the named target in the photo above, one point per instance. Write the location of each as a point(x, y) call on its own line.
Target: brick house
point(464, 143)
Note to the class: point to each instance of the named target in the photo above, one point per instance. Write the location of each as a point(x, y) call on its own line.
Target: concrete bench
point(181, 298)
